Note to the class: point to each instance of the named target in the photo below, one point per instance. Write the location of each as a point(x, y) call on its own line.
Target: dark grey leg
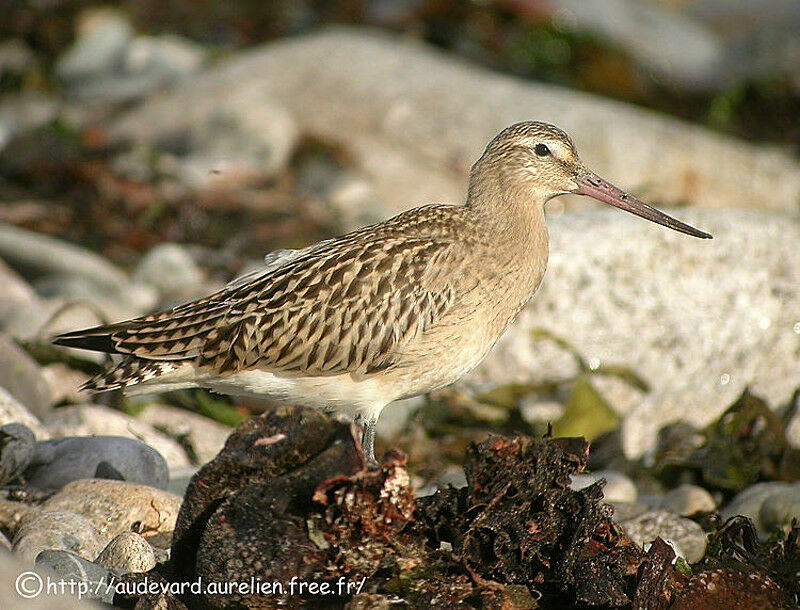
point(368, 442)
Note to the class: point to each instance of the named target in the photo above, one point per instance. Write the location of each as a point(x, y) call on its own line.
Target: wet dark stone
point(16, 451)
point(57, 462)
point(245, 512)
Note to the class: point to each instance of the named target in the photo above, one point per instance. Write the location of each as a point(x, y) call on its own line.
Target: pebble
point(10, 569)
point(748, 502)
point(179, 479)
point(11, 411)
point(22, 377)
point(173, 272)
point(16, 451)
point(60, 260)
point(64, 383)
point(102, 40)
point(74, 568)
point(165, 57)
point(686, 537)
point(205, 436)
point(128, 552)
point(115, 507)
point(56, 529)
point(22, 312)
point(59, 461)
point(779, 508)
point(686, 500)
point(96, 420)
point(618, 489)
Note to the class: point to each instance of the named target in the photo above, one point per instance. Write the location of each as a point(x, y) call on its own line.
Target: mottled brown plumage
point(388, 311)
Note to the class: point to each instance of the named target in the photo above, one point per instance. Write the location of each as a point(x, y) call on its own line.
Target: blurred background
point(151, 151)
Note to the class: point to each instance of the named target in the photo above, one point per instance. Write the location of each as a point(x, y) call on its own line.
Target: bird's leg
point(368, 442)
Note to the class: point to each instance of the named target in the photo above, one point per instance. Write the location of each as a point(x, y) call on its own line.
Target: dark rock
point(16, 451)
point(57, 462)
point(245, 512)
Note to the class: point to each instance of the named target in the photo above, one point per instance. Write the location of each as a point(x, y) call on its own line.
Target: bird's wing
point(350, 306)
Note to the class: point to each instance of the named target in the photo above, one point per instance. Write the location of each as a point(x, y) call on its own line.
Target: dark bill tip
point(592, 185)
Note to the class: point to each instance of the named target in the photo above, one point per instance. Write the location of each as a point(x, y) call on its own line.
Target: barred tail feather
point(130, 372)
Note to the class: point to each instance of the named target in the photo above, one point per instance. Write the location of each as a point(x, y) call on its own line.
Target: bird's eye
point(541, 150)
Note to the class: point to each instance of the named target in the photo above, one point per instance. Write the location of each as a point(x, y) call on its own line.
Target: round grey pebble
point(128, 552)
point(73, 568)
point(16, 450)
point(780, 507)
point(686, 536)
point(55, 530)
point(687, 500)
point(59, 461)
point(748, 502)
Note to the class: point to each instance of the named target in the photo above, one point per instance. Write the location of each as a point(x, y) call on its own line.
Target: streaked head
point(539, 161)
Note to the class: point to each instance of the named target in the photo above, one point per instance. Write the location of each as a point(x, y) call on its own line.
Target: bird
point(388, 311)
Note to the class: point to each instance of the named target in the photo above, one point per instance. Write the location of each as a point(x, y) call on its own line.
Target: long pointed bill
point(594, 186)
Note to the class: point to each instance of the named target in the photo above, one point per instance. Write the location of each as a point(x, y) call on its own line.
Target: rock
point(22, 313)
point(203, 435)
point(173, 272)
point(699, 321)
point(12, 514)
point(16, 57)
point(686, 537)
point(50, 256)
point(780, 508)
point(74, 568)
point(21, 376)
point(413, 120)
point(11, 411)
point(96, 420)
point(23, 587)
point(395, 417)
point(115, 507)
point(228, 147)
point(23, 113)
point(64, 383)
point(59, 461)
point(793, 430)
point(102, 40)
point(748, 503)
point(179, 479)
point(56, 529)
point(16, 451)
point(687, 500)
point(618, 488)
point(111, 304)
point(672, 47)
point(128, 552)
point(165, 57)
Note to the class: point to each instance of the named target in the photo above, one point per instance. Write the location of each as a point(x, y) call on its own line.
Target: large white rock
point(699, 320)
point(414, 119)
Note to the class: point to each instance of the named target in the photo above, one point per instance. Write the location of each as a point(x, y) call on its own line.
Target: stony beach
point(633, 441)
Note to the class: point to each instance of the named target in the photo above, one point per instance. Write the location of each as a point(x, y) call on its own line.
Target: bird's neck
point(509, 213)
point(512, 222)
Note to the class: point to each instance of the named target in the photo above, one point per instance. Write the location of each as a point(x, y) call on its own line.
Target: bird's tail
point(130, 372)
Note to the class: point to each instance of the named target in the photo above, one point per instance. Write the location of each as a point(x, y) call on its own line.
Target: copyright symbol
point(29, 584)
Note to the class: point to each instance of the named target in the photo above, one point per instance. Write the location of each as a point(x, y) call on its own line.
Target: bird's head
point(537, 161)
